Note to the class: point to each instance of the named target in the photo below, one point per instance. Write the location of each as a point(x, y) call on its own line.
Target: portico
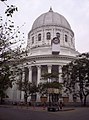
point(36, 72)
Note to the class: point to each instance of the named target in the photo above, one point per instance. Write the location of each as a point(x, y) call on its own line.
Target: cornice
point(62, 27)
point(45, 57)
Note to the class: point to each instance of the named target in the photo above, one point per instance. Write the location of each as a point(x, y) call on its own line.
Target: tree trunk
point(81, 98)
point(25, 98)
point(1, 100)
point(85, 100)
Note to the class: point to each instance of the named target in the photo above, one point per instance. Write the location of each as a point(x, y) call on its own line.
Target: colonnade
point(39, 72)
point(49, 70)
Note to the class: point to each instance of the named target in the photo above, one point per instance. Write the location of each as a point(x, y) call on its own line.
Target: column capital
point(30, 67)
point(49, 65)
point(60, 68)
point(38, 66)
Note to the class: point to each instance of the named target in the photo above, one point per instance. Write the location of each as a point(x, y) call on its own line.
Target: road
point(28, 114)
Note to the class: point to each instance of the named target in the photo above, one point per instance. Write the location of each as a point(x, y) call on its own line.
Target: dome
point(51, 18)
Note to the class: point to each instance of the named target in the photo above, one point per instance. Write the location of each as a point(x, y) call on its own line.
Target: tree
point(5, 82)
point(24, 85)
point(10, 9)
point(27, 87)
point(76, 77)
point(50, 88)
point(10, 51)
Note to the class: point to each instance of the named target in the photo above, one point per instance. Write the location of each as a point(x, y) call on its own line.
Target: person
point(61, 105)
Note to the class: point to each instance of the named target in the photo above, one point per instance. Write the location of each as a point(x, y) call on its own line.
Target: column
point(14, 91)
point(38, 74)
point(49, 71)
point(49, 68)
point(23, 75)
point(22, 96)
point(60, 74)
point(23, 79)
point(30, 74)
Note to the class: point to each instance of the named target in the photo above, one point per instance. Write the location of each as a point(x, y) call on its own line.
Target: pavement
point(32, 108)
point(9, 112)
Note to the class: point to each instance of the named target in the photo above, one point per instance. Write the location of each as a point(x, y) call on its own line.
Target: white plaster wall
point(44, 46)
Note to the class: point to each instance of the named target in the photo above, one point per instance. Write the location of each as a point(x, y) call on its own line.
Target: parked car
point(53, 107)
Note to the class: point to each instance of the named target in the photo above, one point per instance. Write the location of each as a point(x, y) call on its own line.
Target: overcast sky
point(75, 11)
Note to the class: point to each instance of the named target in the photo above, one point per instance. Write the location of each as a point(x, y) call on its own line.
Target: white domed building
point(50, 45)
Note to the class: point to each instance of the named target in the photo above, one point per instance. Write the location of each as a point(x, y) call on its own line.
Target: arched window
point(66, 38)
point(39, 37)
point(48, 35)
point(58, 34)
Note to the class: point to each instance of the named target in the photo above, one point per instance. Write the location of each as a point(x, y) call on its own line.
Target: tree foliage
point(28, 88)
point(50, 87)
point(11, 42)
point(76, 77)
point(5, 81)
point(24, 85)
point(50, 76)
point(43, 87)
point(10, 9)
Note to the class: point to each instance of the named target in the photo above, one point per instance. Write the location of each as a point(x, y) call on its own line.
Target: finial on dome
point(50, 9)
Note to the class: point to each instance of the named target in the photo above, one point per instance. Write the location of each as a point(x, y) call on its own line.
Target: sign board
point(55, 45)
point(53, 90)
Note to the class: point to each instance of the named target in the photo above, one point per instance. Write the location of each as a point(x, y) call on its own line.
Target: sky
point(75, 11)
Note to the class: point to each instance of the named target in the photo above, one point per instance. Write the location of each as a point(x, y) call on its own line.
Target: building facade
point(50, 45)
